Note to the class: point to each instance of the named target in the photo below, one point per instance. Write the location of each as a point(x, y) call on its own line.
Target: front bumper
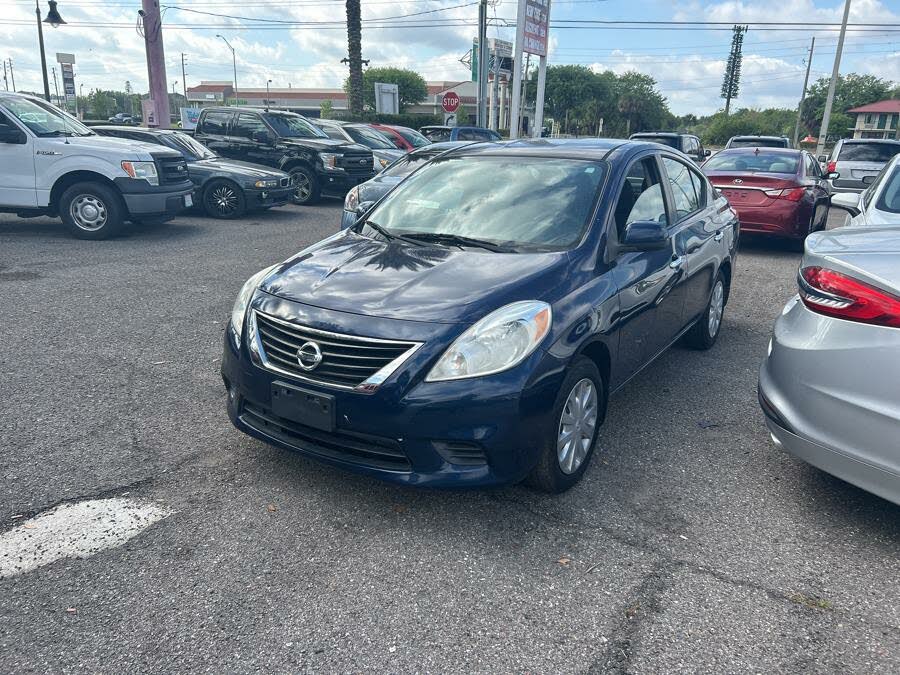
point(828, 390)
point(482, 432)
point(262, 198)
point(339, 183)
point(163, 201)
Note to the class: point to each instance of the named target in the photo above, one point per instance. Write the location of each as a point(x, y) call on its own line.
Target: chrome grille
point(357, 163)
point(172, 169)
point(348, 361)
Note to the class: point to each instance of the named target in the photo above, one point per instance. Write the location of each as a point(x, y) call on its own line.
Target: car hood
point(238, 168)
point(325, 144)
point(352, 273)
point(124, 149)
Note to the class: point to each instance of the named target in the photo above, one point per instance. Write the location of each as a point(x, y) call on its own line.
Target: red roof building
point(877, 120)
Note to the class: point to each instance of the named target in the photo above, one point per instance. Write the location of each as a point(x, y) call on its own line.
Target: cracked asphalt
point(692, 545)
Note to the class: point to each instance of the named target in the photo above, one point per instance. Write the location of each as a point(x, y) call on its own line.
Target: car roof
point(866, 141)
point(753, 149)
point(777, 138)
point(145, 130)
point(673, 134)
point(248, 109)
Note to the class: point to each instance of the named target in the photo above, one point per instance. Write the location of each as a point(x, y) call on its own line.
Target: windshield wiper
point(458, 240)
point(389, 235)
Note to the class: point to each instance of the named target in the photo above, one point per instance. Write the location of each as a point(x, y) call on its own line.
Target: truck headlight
point(500, 341)
point(351, 201)
point(145, 170)
point(329, 159)
point(243, 299)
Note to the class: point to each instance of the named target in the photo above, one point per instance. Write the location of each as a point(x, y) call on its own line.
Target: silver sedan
point(830, 385)
point(879, 203)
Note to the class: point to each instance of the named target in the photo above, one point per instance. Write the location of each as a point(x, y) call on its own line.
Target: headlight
point(266, 183)
point(243, 299)
point(501, 340)
point(329, 159)
point(145, 170)
point(351, 201)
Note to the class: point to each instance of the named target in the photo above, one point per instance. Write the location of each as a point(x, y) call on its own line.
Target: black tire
point(92, 210)
point(307, 191)
point(548, 474)
point(224, 200)
point(704, 333)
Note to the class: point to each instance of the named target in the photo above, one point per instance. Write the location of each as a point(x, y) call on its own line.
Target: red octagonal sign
point(450, 102)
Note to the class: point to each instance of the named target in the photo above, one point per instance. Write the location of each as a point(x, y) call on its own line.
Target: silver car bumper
point(831, 393)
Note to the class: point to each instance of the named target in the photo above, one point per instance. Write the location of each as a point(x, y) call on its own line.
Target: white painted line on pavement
point(77, 530)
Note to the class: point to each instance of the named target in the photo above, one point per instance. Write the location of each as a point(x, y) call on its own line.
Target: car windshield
point(188, 147)
point(293, 126)
point(754, 162)
point(530, 203)
point(44, 119)
point(890, 195)
point(414, 138)
point(868, 152)
point(757, 143)
point(369, 137)
point(671, 141)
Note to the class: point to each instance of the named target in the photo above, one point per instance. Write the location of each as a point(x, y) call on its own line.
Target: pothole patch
point(77, 530)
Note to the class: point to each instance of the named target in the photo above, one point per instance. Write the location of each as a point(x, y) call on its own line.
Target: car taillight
point(834, 294)
point(831, 168)
point(791, 194)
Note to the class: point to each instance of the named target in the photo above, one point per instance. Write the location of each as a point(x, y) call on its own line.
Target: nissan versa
point(469, 328)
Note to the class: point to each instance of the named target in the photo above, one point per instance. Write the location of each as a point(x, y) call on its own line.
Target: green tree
point(354, 57)
point(851, 91)
point(326, 109)
point(642, 107)
point(411, 88)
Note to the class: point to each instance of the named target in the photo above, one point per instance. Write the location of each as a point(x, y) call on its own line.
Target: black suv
point(687, 143)
point(287, 141)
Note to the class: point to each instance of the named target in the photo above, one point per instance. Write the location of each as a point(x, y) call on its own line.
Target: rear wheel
point(223, 199)
point(306, 186)
point(704, 333)
point(91, 210)
point(573, 428)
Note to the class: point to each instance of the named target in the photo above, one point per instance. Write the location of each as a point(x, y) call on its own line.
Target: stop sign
point(450, 102)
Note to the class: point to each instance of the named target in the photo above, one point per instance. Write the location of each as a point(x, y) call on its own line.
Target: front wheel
point(223, 199)
point(704, 333)
point(573, 429)
point(91, 210)
point(306, 186)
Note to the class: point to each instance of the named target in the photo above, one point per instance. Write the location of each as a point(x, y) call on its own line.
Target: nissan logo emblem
point(309, 356)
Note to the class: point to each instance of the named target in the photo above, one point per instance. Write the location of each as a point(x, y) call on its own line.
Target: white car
point(879, 203)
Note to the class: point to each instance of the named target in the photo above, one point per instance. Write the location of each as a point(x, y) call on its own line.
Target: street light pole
point(233, 64)
point(267, 94)
point(835, 74)
point(37, 13)
point(796, 135)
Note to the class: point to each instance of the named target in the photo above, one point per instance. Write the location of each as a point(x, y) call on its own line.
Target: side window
point(247, 125)
point(812, 167)
point(683, 191)
point(483, 135)
point(641, 197)
point(216, 123)
point(467, 135)
point(700, 187)
point(334, 132)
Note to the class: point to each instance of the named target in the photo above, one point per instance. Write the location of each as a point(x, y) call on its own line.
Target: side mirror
point(645, 235)
point(823, 159)
point(707, 153)
point(363, 207)
point(846, 201)
point(832, 175)
point(12, 135)
point(868, 180)
point(262, 137)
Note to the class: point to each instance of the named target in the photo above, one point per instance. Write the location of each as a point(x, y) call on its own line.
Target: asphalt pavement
point(691, 545)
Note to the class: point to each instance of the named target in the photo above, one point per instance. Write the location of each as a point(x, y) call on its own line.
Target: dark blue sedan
point(469, 329)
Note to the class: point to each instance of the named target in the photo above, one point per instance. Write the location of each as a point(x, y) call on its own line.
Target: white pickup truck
point(51, 164)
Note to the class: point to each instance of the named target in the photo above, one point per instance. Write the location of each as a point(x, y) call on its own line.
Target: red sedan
point(775, 191)
point(403, 137)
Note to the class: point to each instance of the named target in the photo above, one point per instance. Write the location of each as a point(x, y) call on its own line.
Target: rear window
point(671, 141)
point(756, 162)
point(868, 152)
point(757, 143)
point(436, 135)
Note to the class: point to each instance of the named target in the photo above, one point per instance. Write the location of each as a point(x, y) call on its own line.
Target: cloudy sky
point(301, 42)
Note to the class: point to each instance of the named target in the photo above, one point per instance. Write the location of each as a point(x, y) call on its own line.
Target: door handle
point(719, 236)
point(676, 262)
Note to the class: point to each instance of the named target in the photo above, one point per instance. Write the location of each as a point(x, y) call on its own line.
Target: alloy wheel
point(224, 199)
point(716, 308)
point(88, 212)
point(576, 426)
point(302, 187)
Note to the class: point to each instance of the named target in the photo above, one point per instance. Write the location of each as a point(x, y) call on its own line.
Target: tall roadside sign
point(532, 37)
point(66, 62)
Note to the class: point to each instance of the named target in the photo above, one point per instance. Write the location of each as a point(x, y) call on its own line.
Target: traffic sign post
point(450, 102)
point(532, 37)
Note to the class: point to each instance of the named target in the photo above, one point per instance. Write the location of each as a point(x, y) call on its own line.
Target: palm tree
point(354, 52)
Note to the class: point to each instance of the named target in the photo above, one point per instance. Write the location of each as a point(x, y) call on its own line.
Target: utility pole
point(731, 85)
point(482, 64)
point(37, 11)
point(156, 61)
point(809, 58)
point(12, 76)
point(5, 83)
point(835, 74)
point(55, 85)
point(183, 79)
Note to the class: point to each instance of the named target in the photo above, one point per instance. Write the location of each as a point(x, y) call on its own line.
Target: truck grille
point(364, 449)
point(358, 163)
point(347, 360)
point(171, 170)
